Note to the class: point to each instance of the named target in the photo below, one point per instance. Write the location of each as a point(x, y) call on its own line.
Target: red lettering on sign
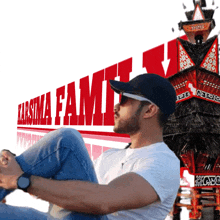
point(34, 112)
point(47, 117)
point(30, 121)
point(39, 109)
point(172, 55)
point(60, 94)
point(89, 100)
point(22, 117)
point(90, 106)
point(152, 59)
point(70, 106)
point(26, 112)
point(19, 115)
point(110, 73)
point(124, 69)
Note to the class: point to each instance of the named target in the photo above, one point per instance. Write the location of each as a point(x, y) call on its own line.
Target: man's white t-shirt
point(156, 163)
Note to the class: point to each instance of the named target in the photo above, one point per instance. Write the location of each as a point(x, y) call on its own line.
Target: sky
point(46, 44)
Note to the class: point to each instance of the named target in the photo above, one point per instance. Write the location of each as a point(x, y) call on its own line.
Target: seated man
point(138, 182)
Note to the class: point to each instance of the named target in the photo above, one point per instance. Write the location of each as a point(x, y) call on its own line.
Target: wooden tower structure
point(193, 131)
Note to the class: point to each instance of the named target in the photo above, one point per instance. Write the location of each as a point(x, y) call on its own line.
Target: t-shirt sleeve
point(162, 174)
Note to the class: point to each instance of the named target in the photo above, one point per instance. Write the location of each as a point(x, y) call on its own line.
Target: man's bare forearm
point(128, 191)
point(76, 195)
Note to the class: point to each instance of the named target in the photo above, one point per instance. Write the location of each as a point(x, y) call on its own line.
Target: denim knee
point(69, 132)
point(70, 138)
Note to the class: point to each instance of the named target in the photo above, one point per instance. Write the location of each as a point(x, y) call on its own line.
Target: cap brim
point(120, 87)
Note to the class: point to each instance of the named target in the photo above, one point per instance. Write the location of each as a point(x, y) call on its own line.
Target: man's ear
point(150, 110)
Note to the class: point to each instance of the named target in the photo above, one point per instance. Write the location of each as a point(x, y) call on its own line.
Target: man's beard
point(129, 126)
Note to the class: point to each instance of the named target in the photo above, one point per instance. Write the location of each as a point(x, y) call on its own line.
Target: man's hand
point(9, 170)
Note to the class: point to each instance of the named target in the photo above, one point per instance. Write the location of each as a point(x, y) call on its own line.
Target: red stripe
point(92, 133)
point(107, 138)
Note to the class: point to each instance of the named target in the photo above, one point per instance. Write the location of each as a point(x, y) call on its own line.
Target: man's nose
point(116, 107)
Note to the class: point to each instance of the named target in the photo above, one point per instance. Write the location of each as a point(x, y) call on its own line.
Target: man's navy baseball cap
point(149, 87)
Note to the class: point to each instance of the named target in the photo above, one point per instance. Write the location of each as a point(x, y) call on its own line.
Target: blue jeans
point(59, 155)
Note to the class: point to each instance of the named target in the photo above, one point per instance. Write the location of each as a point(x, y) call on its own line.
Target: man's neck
point(140, 139)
